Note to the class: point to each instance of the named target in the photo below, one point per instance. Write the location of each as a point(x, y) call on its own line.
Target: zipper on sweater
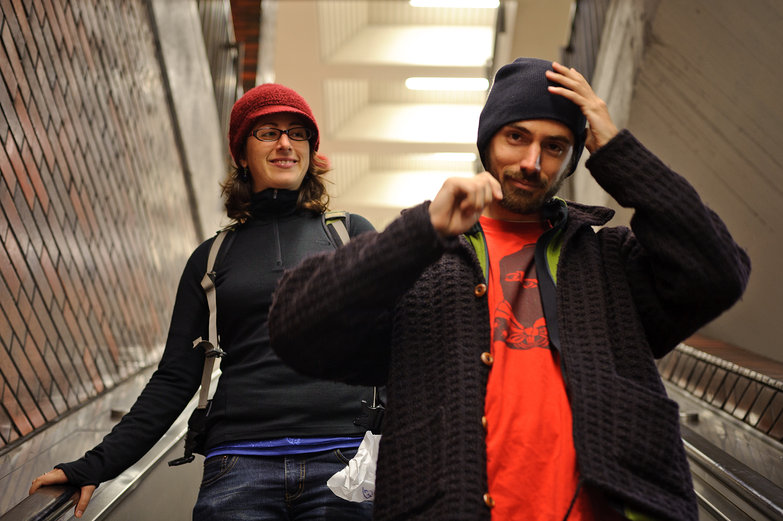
point(276, 228)
point(278, 246)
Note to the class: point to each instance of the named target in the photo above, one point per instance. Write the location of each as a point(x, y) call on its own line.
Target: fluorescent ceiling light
point(467, 157)
point(456, 3)
point(419, 83)
point(431, 45)
point(453, 123)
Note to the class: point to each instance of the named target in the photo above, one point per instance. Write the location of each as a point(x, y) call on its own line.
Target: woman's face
point(282, 163)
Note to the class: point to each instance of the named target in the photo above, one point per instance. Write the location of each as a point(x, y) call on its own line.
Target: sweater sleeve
point(680, 259)
point(331, 316)
point(164, 397)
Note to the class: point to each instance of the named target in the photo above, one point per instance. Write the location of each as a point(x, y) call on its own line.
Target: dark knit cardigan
point(399, 308)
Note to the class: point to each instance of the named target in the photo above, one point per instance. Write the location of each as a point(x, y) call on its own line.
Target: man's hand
point(460, 201)
point(57, 477)
point(601, 128)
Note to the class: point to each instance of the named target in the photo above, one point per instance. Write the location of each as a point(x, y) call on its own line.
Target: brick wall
point(95, 225)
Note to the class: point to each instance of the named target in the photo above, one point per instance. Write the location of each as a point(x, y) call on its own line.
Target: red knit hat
point(269, 98)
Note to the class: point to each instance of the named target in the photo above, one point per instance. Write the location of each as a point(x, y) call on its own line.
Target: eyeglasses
point(273, 134)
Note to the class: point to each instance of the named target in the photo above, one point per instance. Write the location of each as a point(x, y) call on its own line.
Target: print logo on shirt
point(519, 319)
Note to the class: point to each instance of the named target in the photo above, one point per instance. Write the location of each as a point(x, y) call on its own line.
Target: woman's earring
point(243, 174)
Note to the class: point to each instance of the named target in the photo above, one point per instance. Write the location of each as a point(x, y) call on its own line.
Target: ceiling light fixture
point(462, 157)
point(473, 84)
point(476, 4)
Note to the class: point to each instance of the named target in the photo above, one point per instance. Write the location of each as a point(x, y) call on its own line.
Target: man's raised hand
point(575, 88)
point(460, 201)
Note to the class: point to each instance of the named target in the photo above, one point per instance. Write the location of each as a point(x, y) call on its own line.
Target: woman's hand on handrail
point(58, 477)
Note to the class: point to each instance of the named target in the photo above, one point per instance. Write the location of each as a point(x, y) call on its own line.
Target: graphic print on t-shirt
point(519, 318)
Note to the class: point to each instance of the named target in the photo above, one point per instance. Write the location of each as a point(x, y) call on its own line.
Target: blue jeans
point(276, 488)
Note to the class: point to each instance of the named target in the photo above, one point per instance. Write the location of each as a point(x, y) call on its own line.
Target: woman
point(265, 419)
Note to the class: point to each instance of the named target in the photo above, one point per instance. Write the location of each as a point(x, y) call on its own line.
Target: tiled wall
point(95, 224)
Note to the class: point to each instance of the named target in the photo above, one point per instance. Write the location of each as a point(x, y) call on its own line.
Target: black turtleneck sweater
point(258, 397)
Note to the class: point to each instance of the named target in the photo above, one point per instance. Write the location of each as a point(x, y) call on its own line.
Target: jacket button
point(488, 500)
point(480, 290)
point(484, 422)
point(487, 358)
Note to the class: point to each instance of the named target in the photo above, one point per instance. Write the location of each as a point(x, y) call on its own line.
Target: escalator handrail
point(45, 504)
point(754, 488)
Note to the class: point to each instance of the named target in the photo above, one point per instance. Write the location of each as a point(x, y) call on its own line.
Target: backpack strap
point(336, 224)
point(211, 347)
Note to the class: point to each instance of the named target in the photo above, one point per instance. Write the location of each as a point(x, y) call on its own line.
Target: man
point(516, 342)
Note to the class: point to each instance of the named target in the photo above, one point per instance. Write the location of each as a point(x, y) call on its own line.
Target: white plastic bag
point(356, 482)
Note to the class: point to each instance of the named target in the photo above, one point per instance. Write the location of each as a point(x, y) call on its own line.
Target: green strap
point(553, 254)
point(480, 246)
point(335, 220)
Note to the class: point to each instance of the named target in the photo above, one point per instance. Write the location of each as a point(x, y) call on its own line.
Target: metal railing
point(53, 503)
point(47, 504)
point(750, 397)
point(726, 488)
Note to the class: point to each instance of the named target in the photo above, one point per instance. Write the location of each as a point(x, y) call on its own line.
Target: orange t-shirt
point(531, 461)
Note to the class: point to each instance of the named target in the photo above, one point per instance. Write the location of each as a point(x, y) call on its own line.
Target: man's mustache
point(533, 178)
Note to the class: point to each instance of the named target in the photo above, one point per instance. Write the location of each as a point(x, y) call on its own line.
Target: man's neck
point(495, 211)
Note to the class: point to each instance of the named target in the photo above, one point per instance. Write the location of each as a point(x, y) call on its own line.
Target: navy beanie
point(519, 92)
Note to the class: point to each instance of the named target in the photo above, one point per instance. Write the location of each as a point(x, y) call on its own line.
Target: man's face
point(530, 158)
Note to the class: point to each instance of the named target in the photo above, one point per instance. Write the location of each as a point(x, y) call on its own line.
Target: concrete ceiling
point(350, 60)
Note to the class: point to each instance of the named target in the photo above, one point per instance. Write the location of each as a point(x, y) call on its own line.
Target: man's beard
point(522, 201)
